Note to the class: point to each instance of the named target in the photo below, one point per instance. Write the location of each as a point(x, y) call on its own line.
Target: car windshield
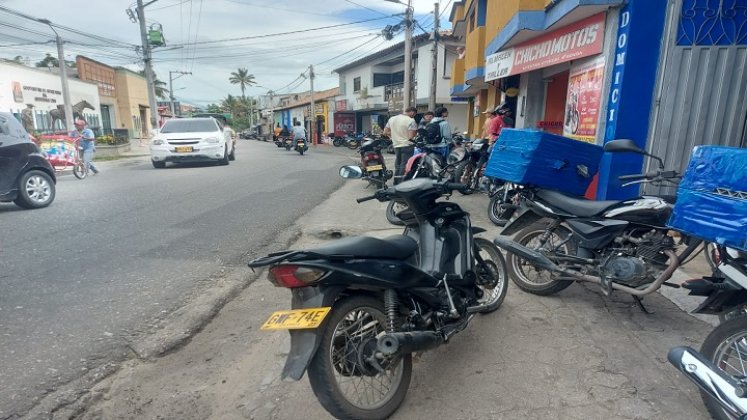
point(189, 126)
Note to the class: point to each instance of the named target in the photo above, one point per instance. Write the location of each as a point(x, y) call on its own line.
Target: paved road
point(87, 278)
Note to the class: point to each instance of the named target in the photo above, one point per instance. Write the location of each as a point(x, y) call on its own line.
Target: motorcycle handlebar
point(362, 199)
point(653, 174)
point(455, 186)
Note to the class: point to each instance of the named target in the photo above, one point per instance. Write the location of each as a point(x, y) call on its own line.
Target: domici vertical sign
point(621, 51)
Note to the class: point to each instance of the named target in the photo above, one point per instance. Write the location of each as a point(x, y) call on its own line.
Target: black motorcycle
point(619, 245)
point(470, 171)
point(361, 306)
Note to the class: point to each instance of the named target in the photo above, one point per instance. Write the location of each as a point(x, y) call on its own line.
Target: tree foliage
point(242, 78)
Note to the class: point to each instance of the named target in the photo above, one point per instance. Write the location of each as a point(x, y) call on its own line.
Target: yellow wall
point(475, 49)
point(132, 92)
point(457, 72)
point(459, 10)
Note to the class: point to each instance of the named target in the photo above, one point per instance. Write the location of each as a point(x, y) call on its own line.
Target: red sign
point(344, 123)
point(577, 40)
point(341, 105)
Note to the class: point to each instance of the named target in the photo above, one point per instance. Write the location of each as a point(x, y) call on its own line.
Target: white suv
point(191, 140)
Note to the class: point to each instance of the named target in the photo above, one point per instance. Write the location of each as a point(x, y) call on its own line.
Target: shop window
point(382, 79)
point(357, 84)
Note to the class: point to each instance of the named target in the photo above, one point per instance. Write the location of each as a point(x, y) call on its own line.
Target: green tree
point(47, 60)
point(242, 78)
point(214, 108)
point(19, 59)
point(231, 105)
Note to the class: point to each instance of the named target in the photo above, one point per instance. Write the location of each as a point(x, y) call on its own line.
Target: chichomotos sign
point(577, 40)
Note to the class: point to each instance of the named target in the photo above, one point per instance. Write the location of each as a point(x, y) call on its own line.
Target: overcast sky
point(275, 61)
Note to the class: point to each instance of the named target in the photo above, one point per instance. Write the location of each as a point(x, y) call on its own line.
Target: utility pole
point(408, 57)
point(313, 106)
point(171, 88)
point(434, 73)
point(68, 106)
point(148, 60)
point(272, 111)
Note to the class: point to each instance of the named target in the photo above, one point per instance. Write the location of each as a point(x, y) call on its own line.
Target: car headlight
point(157, 142)
point(213, 140)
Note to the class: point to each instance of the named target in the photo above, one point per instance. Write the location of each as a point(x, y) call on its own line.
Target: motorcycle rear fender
point(525, 218)
point(304, 343)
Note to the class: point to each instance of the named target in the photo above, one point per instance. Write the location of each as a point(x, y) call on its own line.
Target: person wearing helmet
point(497, 123)
point(87, 143)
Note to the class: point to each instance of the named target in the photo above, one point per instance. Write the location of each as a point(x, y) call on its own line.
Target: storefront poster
point(344, 123)
point(583, 103)
point(17, 93)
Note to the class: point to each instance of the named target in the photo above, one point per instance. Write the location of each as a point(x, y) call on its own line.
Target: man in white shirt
point(401, 129)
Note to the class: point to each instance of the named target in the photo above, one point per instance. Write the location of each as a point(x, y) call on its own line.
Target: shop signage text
point(344, 123)
point(621, 51)
point(581, 39)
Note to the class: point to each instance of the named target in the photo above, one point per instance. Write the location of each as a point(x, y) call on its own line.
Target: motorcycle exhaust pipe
point(535, 257)
point(723, 389)
point(400, 343)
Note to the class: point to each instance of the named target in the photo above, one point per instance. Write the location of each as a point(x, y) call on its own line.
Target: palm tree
point(242, 78)
point(231, 104)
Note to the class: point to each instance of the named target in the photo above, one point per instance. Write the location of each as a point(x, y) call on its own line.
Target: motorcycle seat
point(576, 206)
point(397, 247)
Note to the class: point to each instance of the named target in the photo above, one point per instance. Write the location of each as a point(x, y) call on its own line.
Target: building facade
point(371, 88)
point(40, 91)
point(597, 70)
point(132, 102)
point(105, 78)
point(297, 107)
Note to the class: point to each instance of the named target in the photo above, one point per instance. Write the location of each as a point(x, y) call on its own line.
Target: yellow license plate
point(374, 168)
point(296, 319)
point(183, 149)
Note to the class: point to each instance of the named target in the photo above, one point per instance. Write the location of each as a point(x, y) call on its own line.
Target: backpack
point(433, 132)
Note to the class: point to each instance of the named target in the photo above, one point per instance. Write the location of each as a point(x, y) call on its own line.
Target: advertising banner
point(344, 123)
point(577, 40)
point(583, 103)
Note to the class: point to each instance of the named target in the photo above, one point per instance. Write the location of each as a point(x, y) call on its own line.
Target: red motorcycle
point(372, 160)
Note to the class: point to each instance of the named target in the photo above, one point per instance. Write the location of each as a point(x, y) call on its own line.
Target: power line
point(164, 7)
point(197, 32)
point(298, 11)
point(347, 52)
point(284, 33)
point(367, 8)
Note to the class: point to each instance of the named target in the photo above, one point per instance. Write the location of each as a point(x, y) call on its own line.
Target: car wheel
point(232, 156)
point(158, 164)
point(224, 161)
point(35, 190)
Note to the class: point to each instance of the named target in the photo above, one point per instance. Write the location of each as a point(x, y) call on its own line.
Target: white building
point(371, 88)
point(21, 86)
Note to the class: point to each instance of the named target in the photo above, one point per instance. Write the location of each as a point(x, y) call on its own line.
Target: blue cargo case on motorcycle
point(544, 160)
point(712, 197)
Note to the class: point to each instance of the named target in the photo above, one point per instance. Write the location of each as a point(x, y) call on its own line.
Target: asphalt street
point(89, 280)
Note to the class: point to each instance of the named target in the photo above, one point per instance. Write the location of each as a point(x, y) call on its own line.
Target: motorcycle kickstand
point(639, 301)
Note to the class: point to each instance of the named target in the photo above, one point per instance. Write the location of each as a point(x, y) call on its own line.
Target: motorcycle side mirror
point(626, 145)
point(351, 172)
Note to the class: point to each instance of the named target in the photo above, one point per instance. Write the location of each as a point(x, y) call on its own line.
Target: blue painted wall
point(630, 99)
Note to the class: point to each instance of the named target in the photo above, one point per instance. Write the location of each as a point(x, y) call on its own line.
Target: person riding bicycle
point(87, 144)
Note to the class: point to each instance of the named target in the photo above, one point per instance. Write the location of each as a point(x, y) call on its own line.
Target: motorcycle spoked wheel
point(352, 145)
point(463, 175)
point(726, 347)
point(530, 278)
point(493, 275)
point(392, 209)
point(347, 378)
point(496, 214)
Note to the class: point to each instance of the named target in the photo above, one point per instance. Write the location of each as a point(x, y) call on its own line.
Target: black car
point(26, 176)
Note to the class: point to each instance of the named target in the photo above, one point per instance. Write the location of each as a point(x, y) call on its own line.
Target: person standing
point(443, 146)
point(401, 128)
point(427, 117)
point(497, 124)
point(87, 144)
point(488, 120)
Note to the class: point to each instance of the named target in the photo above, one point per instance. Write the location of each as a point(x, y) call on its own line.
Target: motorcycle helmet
point(501, 109)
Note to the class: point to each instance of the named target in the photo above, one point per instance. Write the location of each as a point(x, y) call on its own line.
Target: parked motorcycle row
point(362, 306)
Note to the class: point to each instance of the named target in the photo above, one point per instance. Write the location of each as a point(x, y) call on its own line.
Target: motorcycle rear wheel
point(539, 282)
point(496, 214)
point(353, 144)
point(339, 373)
point(726, 346)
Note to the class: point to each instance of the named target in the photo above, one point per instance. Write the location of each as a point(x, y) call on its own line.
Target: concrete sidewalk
point(577, 355)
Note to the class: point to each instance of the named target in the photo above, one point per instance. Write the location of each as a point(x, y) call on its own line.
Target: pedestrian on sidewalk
point(440, 119)
point(488, 120)
point(497, 124)
point(401, 128)
point(427, 117)
point(87, 143)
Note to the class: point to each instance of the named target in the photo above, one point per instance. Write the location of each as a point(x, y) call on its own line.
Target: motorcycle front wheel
point(391, 212)
point(726, 347)
point(347, 377)
point(498, 215)
point(493, 274)
point(463, 175)
point(536, 280)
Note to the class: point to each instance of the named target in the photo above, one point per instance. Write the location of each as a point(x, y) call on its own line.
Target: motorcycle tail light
point(292, 276)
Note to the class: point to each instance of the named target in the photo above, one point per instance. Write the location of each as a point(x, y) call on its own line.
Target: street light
point(408, 51)
point(63, 77)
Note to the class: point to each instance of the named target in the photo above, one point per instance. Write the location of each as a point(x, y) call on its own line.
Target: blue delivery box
point(540, 159)
point(712, 197)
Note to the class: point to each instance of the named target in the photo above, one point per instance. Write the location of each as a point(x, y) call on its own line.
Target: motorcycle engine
point(641, 260)
point(628, 270)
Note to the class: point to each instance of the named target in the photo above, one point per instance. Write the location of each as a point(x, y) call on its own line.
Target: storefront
point(587, 70)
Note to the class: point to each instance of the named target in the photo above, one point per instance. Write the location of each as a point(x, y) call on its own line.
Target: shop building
point(597, 70)
point(372, 88)
point(132, 103)
point(105, 78)
point(297, 107)
point(37, 93)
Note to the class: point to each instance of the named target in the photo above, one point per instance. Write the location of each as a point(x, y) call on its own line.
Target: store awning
point(526, 25)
